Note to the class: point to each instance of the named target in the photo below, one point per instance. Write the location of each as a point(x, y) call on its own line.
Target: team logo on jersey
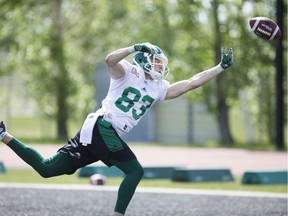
point(135, 72)
point(144, 89)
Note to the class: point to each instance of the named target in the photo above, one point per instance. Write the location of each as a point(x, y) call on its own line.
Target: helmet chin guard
point(156, 65)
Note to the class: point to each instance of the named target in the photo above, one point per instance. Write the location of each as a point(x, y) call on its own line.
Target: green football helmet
point(148, 62)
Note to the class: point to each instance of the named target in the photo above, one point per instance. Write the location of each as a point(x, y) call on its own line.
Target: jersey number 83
point(125, 103)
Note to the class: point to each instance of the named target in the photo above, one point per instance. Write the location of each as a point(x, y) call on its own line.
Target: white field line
point(146, 190)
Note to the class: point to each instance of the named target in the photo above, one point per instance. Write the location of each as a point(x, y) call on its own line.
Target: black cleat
point(2, 130)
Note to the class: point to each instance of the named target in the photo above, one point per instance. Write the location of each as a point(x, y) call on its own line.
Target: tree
point(7, 37)
point(45, 65)
point(221, 93)
point(57, 55)
point(280, 118)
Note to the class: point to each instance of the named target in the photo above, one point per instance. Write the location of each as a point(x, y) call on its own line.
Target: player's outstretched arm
point(112, 60)
point(179, 88)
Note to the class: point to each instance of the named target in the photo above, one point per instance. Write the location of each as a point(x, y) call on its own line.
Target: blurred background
point(52, 71)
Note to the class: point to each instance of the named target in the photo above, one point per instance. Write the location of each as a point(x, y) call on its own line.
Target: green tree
point(280, 103)
point(254, 63)
point(62, 79)
point(52, 76)
point(221, 93)
point(7, 37)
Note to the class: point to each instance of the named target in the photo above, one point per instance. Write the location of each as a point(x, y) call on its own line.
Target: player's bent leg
point(134, 172)
point(58, 164)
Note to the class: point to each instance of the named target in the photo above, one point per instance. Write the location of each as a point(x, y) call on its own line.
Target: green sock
point(134, 172)
point(55, 165)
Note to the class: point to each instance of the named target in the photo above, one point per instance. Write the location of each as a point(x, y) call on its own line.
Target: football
point(98, 179)
point(265, 28)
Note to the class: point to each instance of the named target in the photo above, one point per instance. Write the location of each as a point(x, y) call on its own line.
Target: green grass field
point(30, 176)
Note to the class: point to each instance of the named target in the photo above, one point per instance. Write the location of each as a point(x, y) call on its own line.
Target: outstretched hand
point(145, 47)
point(227, 59)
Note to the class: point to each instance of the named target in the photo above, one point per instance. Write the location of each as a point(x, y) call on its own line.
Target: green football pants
point(57, 164)
point(61, 163)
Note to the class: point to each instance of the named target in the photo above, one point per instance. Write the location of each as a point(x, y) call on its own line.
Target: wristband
point(131, 49)
point(219, 68)
point(2, 135)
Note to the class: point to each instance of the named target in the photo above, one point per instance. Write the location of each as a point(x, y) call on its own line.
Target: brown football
point(265, 28)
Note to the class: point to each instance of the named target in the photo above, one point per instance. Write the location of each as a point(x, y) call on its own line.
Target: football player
point(134, 88)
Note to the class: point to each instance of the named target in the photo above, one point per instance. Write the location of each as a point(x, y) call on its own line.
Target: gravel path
point(55, 200)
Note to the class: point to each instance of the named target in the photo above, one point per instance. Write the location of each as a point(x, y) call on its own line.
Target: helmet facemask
point(156, 65)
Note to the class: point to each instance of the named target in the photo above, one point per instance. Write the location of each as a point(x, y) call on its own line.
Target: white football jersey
point(130, 97)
